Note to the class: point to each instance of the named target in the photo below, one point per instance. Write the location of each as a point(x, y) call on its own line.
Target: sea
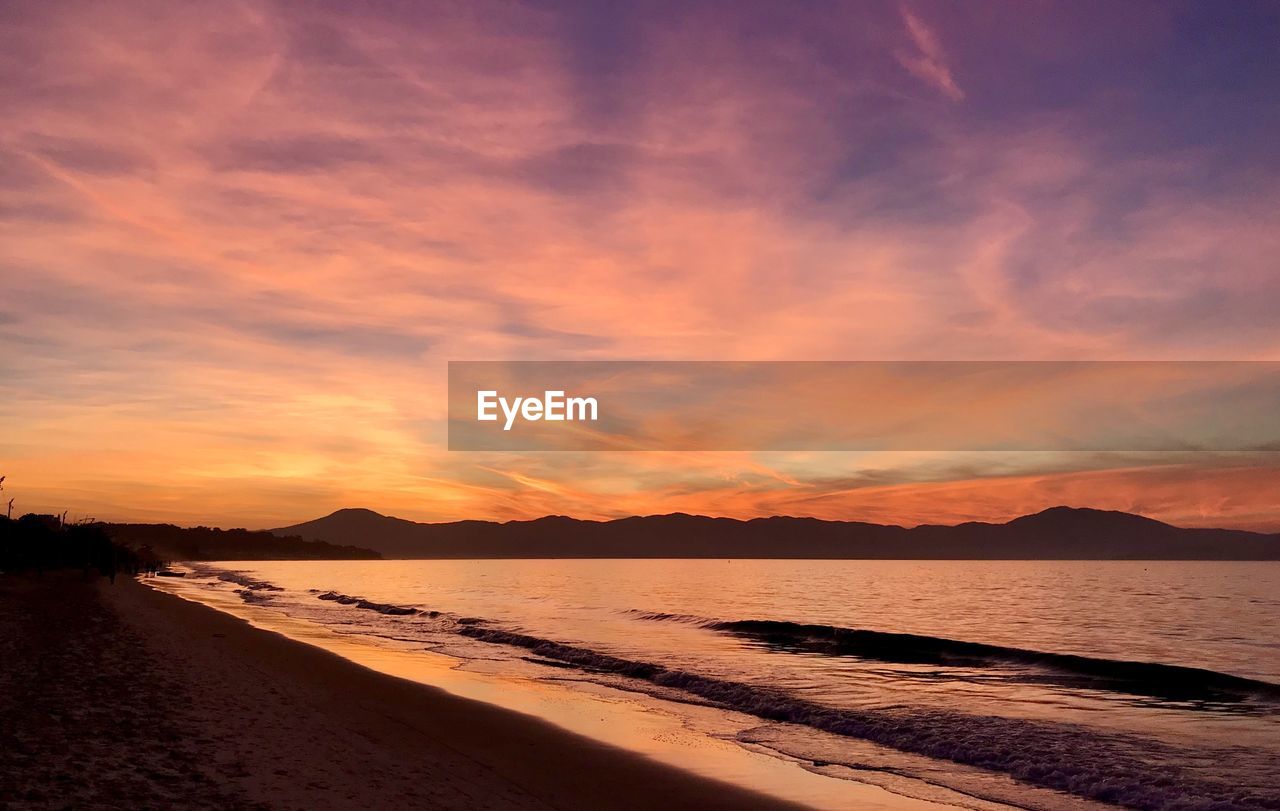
point(978, 684)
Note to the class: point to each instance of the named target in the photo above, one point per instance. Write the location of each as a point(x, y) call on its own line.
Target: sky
point(240, 242)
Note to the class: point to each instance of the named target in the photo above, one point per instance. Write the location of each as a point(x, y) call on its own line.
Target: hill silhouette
point(207, 543)
point(1058, 533)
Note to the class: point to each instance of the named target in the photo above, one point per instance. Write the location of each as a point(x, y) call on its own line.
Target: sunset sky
point(239, 242)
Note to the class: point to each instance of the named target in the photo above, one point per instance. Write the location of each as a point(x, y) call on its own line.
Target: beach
point(1066, 686)
point(247, 685)
point(123, 696)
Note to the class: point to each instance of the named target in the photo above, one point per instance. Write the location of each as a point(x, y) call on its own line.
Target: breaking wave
point(663, 616)
point(251, 589)
point(1174, 682)
point(368, 605)
point(1155, 679)
point(252, 584)
point(1108, 767)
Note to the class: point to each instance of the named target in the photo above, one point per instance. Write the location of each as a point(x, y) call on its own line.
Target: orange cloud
point(240, 244)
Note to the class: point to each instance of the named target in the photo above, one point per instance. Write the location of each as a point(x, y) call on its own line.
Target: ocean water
point(1033, 684)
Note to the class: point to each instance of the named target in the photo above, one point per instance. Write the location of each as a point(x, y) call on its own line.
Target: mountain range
point(1058, 533)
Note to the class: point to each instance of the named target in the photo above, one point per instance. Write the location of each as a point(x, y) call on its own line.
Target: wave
point(1166, 681)
point(368, 605)
point(251, 589)
point(252, 584)
point(334, 596)
point(1108, 767)
point(663, 616)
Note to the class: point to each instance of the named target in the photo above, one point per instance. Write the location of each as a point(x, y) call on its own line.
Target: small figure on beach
point(148, 561)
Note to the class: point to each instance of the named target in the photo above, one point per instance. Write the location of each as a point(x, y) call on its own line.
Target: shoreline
point(473, 754)
point(148, 698)
point(594, 715)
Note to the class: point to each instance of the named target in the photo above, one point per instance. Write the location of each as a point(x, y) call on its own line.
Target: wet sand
point(123, 696)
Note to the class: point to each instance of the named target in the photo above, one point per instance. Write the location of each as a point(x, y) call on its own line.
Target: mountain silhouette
point(1058, 533)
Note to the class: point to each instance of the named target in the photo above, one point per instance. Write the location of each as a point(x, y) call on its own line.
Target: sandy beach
point(122, 696)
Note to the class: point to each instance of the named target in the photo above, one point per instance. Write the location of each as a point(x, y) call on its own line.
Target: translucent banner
point(864, 406)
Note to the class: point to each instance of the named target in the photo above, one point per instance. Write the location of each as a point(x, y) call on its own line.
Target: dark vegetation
point(40, 543)
point(206, 543)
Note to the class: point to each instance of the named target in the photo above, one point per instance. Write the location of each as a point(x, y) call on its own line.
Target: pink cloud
point(927, 61)
point(239, 245)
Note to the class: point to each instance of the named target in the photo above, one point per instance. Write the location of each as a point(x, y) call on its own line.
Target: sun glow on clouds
point(238, 246)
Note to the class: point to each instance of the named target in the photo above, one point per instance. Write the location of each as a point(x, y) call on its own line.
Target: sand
point(122, 696)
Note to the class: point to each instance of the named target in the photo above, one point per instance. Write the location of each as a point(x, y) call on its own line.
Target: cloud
point(37, 213)
point(926, 61)
point(577, 169)
point(89, 156)
point(240, 246)
point(293, 154)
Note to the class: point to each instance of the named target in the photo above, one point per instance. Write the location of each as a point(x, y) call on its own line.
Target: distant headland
point(1058, 533)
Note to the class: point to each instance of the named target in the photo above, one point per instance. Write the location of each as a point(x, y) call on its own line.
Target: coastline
point(328, 732)
point(194, 705)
